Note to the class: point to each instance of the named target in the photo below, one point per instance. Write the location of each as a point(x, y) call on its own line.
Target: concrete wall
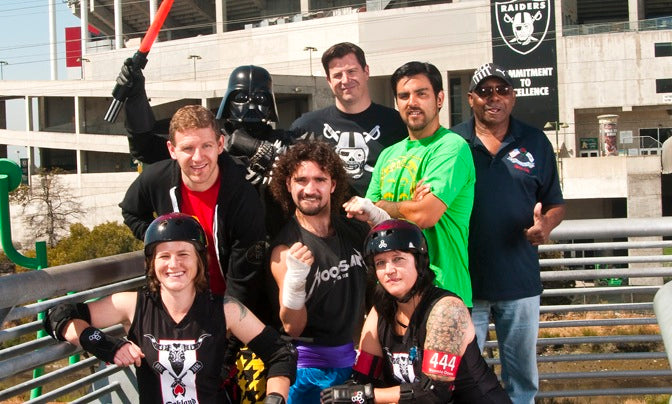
point(637, 179)
point(599, 177)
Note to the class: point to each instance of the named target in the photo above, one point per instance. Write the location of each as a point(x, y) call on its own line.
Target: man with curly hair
point(317, 263)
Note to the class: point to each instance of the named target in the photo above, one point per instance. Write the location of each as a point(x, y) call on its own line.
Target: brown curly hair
point(322, 154)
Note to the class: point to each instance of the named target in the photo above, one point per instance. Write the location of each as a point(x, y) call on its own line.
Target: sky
point(24, 38)
point(24, 45)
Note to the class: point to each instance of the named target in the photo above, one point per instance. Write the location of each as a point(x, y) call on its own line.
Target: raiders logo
point(523, 24)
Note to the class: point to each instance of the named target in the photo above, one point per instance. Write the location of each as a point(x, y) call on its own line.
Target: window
point(455, 101)
point(663, 49)
point(664, 85)
point(651, 139)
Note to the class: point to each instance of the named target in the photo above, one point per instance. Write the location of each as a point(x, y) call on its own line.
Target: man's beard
point(312, 210)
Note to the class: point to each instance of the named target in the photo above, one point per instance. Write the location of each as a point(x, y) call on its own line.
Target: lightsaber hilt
point(139, 60)
point(121, 91)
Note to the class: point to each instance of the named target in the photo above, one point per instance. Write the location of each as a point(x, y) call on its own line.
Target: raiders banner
point(523, 41)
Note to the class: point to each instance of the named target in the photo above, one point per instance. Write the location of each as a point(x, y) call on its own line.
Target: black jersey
point(402, 355)
point(357, 138)
point(336, 283)
point(183, 361)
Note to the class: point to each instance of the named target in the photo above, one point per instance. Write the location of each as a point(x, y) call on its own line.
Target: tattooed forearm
point(241, 307)
point(447, 326)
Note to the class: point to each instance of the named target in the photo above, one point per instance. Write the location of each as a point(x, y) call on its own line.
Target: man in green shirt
point(427, 178)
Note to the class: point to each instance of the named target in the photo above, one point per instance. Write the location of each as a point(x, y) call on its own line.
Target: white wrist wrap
point(294, 286)
point(376, 214)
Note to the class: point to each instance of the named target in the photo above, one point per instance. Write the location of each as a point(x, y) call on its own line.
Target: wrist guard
point(101, 345)
point(347, 393)
point(274, 398)
point(294, 284)
point(426, 391)
point(58, 317)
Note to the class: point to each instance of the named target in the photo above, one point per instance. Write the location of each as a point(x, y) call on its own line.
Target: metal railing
point(18, 296)
point(652, 24)
point(569, 348)
point(622, 309)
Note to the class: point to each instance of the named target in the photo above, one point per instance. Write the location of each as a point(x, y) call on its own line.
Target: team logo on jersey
point(402, 366)
point(178, 366)
point(523, 24)
point(352, 148)
point(522, 159)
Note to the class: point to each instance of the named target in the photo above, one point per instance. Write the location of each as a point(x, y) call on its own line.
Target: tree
point(48, 207)
point(104, 240)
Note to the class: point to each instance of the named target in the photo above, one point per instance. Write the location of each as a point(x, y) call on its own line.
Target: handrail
point(57, 281)
point(100, 277)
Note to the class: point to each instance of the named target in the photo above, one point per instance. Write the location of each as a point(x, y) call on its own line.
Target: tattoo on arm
point(241, 307)
point(447, 326)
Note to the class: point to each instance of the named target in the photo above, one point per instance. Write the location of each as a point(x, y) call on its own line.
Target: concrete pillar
point(53, 59)
point(305, 6)
point(84, 25)
point(644, 200)
point(29, 127)
point(635, 12)
point(152, 11)
point(118, 27)
point(78, 151)
point(220, 16)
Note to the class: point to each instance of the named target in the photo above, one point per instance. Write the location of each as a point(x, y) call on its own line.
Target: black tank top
point(183, 361)
point(336, 283)
point(402, 355)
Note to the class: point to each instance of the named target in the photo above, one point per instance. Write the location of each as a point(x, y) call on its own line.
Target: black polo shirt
point(503, 265)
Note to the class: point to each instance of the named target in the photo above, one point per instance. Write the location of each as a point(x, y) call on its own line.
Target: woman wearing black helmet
point(176, 336)
point(418, 343)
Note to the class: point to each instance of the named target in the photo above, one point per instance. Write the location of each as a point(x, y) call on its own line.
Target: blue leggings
point(311, 381)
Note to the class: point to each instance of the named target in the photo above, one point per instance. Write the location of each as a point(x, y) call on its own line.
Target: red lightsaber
point(139, 60)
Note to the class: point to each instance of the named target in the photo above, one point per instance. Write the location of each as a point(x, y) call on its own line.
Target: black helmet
point(394, 234)
point(249, 97)
point(176, 227)
point(401, 235)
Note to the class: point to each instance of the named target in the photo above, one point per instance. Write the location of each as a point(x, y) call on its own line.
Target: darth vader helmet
point(249, 97)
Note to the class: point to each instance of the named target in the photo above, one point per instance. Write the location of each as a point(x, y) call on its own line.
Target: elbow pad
point(426, 391)
point(58, 317)
point(279, 356)
point(367, 368)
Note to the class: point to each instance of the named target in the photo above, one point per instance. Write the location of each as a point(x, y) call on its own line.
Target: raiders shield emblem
point(522, 24)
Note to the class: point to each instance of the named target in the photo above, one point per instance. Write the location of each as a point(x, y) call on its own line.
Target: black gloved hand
point(261, 154)
point(131, 77)
point(347, 393)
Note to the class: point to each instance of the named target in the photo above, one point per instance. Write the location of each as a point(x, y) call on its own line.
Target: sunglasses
point(485, 92)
